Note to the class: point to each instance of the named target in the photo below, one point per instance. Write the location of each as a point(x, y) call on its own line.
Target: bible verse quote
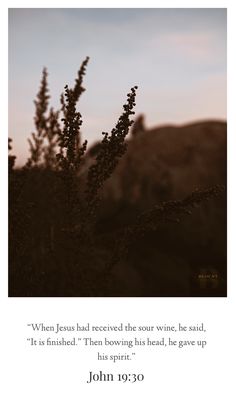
point(117, 342)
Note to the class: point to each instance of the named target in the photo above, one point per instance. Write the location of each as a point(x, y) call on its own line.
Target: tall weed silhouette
point(56, 245)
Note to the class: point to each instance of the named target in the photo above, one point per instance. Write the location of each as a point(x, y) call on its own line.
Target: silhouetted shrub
point(11, 159)
point(59, 242)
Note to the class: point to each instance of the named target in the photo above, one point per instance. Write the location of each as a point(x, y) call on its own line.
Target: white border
point(41, 385)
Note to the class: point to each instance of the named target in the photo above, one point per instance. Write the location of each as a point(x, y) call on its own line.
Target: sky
point(177, 57)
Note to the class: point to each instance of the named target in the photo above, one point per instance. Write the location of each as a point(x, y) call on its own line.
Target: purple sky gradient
point(177, 57)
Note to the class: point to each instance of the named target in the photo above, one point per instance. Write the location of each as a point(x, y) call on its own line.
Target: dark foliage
point(111, 149)
point(40, 121)
point(11, 159)
point(62, 243)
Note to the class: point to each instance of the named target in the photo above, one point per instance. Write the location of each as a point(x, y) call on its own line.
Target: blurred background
point(177, 144)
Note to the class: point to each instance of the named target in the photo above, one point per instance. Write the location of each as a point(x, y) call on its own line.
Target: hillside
point(55, 249)
point(169, 162)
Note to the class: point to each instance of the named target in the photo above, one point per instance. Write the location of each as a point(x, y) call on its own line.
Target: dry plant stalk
point(57, 147)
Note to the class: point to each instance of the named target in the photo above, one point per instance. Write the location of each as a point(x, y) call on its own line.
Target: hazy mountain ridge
point(168, 162)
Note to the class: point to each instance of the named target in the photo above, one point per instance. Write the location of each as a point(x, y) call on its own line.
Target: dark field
point(56, 249)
